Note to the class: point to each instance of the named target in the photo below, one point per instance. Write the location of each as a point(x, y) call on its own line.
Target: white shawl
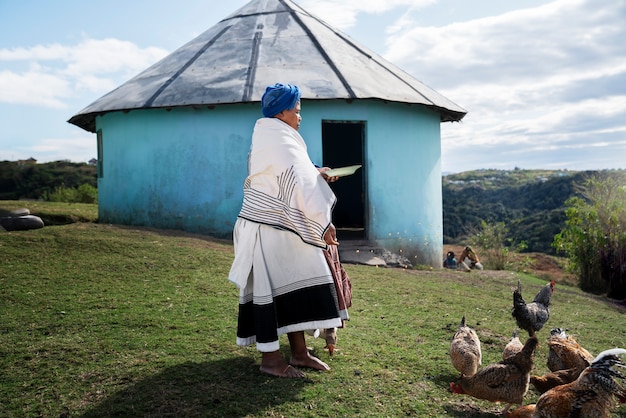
point(283, 188)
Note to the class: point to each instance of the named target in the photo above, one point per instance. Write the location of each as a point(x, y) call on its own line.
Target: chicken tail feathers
point(518, 300)
point(610, 352)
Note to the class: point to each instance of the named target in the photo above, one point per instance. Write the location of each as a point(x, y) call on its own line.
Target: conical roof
point(264, 42)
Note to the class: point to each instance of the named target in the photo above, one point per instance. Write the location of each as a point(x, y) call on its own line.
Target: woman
point(283, 227)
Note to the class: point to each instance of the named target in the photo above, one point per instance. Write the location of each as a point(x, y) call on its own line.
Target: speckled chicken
point(566, 353)
point(566, 360)
point(591, 395)
point(513, 347)
point(465, 351)
point(532, 316)
point(506, 381)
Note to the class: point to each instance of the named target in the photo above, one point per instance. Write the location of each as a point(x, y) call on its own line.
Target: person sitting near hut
point(450, 261)
point(469, 260)
point(285, 283)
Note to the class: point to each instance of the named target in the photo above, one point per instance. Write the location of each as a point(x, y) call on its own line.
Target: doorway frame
point(340, 158)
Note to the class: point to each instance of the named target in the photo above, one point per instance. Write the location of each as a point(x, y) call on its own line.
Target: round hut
point(173, 141)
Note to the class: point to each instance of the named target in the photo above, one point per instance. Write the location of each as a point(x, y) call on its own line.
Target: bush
point(594, 238)
point(85, 193)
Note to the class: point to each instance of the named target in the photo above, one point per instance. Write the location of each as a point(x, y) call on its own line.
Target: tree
point(594, 238)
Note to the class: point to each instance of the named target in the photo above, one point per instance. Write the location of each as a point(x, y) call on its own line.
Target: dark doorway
point(343, 145)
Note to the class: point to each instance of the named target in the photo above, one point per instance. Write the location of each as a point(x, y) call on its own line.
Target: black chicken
point(532, 316)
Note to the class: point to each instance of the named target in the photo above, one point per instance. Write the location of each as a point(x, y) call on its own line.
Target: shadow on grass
point(224, 388)
point(470, 410)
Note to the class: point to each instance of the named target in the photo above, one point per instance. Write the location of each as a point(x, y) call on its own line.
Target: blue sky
point(544, 82)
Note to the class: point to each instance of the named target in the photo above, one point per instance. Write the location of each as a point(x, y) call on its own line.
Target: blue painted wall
point(403, 175)
point(179, 169)
point(184, 169)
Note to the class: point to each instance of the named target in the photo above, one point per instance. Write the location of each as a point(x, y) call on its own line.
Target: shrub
point(594, 238)
point(61, 194)
point(85, 193)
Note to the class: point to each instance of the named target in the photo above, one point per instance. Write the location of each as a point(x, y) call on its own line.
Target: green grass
point(111, 321)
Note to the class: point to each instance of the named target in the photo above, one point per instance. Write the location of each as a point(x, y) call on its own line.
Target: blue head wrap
point(279, 97)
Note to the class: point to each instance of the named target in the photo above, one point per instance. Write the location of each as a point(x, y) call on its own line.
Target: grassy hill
point(104, 320)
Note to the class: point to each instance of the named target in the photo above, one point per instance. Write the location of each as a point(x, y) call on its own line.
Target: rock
point(21, 223)
point(19, 220)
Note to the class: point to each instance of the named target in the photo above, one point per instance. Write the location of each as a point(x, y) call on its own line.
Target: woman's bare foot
point(300, 355)
point(273, 364)
point(307, 360)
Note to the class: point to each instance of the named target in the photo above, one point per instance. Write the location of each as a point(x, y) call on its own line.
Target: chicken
point(330, 335)
point(513, 347)
point(557, 378)
point(532, 316)
point(565, 352)
point(465, 351)
point(506, 381)
point(566, 360)
point(591, 395)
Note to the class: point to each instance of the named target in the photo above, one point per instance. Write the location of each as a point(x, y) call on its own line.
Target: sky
point(543, 82)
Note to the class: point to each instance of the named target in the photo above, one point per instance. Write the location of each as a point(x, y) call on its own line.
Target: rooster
point(532, 316)
point(465, 351)
point(506, 381)
point(566, 360)
point(513, 347)
point(591, 395)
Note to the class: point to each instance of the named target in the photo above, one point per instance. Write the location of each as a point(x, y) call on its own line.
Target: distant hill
point(29, 180)
point(529, 202)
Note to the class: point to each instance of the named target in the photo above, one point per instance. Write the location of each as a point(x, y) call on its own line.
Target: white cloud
point(505, 47)
point(344, 14)
point(33, 87)
point(561, 36)
point(64, 146)
point(106, 56)
point(57, 72)
point(541, 80)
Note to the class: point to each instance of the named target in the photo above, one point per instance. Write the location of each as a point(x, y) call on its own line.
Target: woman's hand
point(330, 236)
point(327, 178)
